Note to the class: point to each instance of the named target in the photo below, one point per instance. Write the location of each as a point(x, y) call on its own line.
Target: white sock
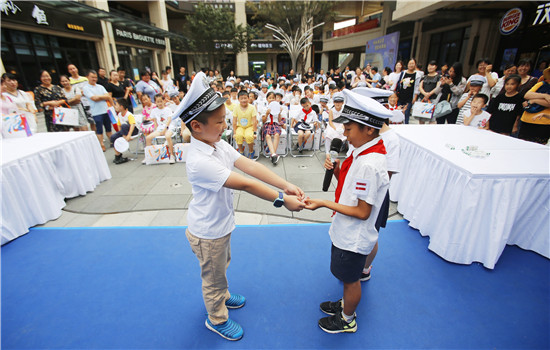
point(366, 270)
point(347, 318)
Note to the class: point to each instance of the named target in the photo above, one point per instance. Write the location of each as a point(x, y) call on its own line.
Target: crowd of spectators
point(517, 99)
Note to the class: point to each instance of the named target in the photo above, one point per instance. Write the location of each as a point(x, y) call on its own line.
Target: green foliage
point(213, 34)
point(289, 14)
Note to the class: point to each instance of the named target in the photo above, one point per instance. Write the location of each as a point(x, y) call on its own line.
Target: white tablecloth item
point(39, 172)
point(471, 207)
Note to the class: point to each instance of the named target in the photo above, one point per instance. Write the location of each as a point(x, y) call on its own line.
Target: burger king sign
point(510, 21)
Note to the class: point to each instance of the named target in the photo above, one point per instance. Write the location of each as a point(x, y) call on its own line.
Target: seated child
point(147, 124)
point(397, 111)
point(506, 108)
point(476, 117)
point(272, 126)
point(304, 123)
point(245, 123)
point(334, 130)
point(162, 117)
point(127, 126)
point(234, 93)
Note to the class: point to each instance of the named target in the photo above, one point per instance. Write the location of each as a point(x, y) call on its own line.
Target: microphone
point(335, 147)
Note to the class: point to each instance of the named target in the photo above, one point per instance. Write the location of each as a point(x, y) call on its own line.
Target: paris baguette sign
point(511, 21)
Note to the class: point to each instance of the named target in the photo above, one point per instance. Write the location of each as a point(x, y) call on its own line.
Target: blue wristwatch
point(279, 201)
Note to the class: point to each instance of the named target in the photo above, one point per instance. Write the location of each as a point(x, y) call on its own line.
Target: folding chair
point(282, 148)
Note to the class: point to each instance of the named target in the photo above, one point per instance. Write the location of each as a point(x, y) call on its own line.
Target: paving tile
point(307, 182)
point(162, 201)
point(169, 217)
point(61, 221)
point(303, 165)
point(247, 218)
point(112, 204)
point(83, 220)
point(124, 219)
point(171, 185)
point(134, 185)
point(80, 203)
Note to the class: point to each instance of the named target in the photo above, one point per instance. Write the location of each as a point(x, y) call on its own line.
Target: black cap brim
point(217, 103)
point(341, 120)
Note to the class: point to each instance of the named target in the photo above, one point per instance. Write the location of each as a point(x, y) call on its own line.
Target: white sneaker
point(172, 160)
point(143, 162)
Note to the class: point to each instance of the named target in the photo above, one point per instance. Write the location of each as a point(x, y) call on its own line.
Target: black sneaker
point(120, 160)
point(300, 149)
point(332, 307)
point(273, 159)
point(336, 324)
point(364, 277)
point(277, 157)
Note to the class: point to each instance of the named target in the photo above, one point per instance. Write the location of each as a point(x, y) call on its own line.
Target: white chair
point(139, 136)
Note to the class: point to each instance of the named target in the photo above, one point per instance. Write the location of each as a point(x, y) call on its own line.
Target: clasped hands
point(296, 199)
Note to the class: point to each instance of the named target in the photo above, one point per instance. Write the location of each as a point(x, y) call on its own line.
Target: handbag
point(423, 110)
point(442, 109)
point(157, 154)
point(15, 125)
point(65, 116)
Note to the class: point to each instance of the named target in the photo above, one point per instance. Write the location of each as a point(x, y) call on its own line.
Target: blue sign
point(382, 52)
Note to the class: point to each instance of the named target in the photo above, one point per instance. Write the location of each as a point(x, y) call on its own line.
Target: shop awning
point(80, 9)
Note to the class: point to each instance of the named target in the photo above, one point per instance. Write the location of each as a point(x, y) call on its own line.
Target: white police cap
point(363, 110)
point(200, 97)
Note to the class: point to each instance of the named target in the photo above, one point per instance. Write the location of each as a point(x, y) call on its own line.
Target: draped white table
point(471, 208)
point(39, 172)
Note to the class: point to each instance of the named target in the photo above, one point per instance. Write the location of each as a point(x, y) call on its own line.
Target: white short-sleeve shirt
point(311, 117)
point(210, 213)
point(480, 120)
point(367, 179)
point(162, 115)
point(391, 142)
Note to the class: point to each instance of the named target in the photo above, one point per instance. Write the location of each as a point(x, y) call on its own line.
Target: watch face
point(278, 203)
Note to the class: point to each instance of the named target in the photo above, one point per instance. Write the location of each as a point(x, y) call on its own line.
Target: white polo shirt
point(210, 213)
point(391, 142)
point(367, 179)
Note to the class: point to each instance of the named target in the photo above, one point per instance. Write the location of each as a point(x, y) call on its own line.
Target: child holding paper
point(272, 126)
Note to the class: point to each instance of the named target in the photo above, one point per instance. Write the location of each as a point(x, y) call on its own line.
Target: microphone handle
point(328, 178)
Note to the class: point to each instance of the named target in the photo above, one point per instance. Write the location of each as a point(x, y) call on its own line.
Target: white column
point(106, 48)
point(324, 61)
point(241, 59)
point(157, 13)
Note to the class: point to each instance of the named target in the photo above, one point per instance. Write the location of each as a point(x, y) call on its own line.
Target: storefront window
point(448, 47)
point(25, 54)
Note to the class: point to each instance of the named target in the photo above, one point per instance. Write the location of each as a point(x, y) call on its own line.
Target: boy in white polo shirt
point(210, 217)
point(362, 185)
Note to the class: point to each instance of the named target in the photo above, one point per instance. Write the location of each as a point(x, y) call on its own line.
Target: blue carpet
point(139, 288)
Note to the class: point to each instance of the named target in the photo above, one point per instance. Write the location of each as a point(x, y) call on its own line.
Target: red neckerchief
point(346, 165)
point(306, 113)
point(271, 116)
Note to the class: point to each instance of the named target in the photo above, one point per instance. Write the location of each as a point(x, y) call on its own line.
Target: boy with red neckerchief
point(304, 122)
point(362, 185)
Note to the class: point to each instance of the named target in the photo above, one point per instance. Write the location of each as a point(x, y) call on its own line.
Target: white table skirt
point(39, 172)
point(469, 207)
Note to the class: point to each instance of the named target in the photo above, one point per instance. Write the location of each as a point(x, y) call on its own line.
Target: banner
point(382, 52)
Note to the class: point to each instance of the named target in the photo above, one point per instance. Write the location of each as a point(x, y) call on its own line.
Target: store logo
point(39, 15)
point(510, 21)
point(75, 27)
point(9, 6)
point(545, 18)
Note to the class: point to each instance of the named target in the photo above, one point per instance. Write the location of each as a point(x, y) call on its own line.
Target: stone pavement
point(159, 195)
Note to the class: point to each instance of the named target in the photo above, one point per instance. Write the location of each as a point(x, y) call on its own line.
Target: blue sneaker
point(252, 155)
point(236, 301)
point(229, 330)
